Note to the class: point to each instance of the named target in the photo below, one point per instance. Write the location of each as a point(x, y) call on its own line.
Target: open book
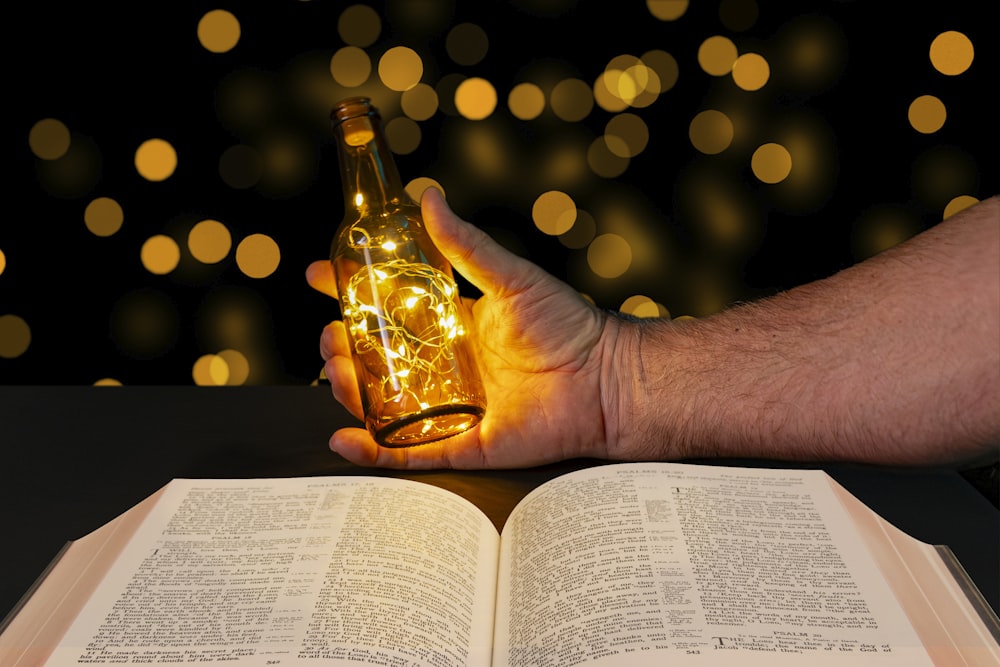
point(620, 564)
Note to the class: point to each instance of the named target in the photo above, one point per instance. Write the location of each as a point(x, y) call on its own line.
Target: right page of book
point(693, 565)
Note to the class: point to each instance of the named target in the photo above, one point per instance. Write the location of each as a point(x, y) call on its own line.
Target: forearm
point(895, 360)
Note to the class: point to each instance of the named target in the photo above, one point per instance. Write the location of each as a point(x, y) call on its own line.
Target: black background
point(119, 74)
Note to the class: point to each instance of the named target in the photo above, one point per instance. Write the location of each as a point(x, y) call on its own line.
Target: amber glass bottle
point(407, 328)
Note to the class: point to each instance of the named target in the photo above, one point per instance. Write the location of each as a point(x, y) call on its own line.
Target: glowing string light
point(402, 321)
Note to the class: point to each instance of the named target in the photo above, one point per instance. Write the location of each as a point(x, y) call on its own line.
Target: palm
point(538, 347)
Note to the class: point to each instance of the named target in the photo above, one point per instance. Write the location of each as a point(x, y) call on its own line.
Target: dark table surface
point(76, 457)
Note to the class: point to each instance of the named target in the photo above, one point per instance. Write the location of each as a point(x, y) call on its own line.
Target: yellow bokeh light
point(650, 88)
point(959, 203)
point(633, 302)
point(751, 71)
point(400, 68)
point(628, 81)
point(210, 370)
point(609, 256)
point(218, 31)
point(160, 254)
point(927, 114)
point(403, 135)
point(711, 132)
point(103, 216)
point(606, 93)
point(716, 55)
point(667, 10)
point(258, 256)
point(15, 336)
point(467, 44)
point(419, 102)
point(572, 100)
point(666, 68)
point(626, 135)
point(526, 101)
point(771, 163)
point(49, 139)
point(476, 98)
point(952, 53)
point(155, 160)
point(641, 305)
point(603, 162)
point(359, 25)
point(554, 212)
point(624, 77)
point(107, 382)
point(237, 365)
point(417, 186)
point(209, 241)
point(3, 262)
point(350, 66)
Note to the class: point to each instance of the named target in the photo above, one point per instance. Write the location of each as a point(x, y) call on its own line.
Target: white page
point(765, 569)
point(323, 570)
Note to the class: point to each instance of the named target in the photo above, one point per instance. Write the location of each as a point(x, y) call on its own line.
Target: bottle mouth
point(352, 107)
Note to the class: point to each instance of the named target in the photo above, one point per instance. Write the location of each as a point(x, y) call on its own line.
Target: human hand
point(542, 350)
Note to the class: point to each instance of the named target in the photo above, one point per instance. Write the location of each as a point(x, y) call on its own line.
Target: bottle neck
point(368, 172)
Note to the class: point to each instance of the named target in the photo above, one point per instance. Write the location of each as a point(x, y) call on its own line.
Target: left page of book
point(296, 571)
point(47, 609)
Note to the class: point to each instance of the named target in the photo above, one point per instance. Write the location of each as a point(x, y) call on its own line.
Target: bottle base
point(436, 423)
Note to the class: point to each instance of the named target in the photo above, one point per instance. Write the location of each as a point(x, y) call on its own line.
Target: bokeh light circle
point(209, 241)
point(258, 256)
point(476, 98)
point(49, 139)
point(15, 336)
point(526, 101)
point(927, 114)
point(400, 68)
point(609, 256)
point(952, 53)
point(711, 132)
point(771, 163)
point(103, 216)
point(156, 160)
point(350, 66)
point(554, 212)
point(160, 254)
point(219, 31)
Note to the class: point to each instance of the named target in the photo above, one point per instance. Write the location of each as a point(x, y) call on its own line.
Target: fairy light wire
point(403, 313)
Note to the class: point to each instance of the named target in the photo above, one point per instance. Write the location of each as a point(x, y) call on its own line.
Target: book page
point(693, 565)
point(956, 625)
point(306, 571)
point(49, 608)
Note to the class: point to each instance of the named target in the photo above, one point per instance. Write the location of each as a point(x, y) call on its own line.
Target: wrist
point(637, 390)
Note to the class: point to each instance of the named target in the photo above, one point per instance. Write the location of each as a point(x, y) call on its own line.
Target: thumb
point(319, 275)
point(486, 264)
